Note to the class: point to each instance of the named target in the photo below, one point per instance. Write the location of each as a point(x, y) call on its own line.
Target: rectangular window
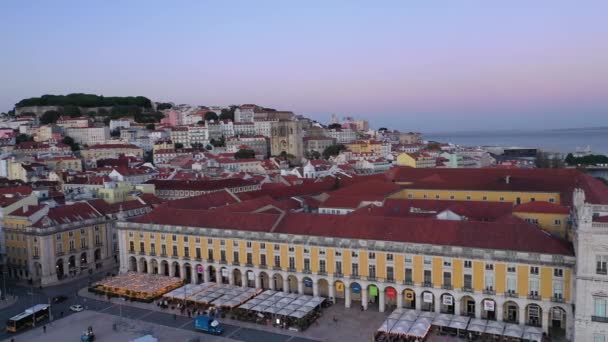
point(511, 268)
point(153, 248)
point(235, 257)
point(262, 245)
point(489, 281)
point(339, 267)
point(321, 251)
point(354, 254)
point(371, 255)
point(322, 266)
point(338, 253)
point(557, 222)
point(198, 253)
point(197, 240)
point(263, 259)
point(163, 249)
point(306, 265)
point(292, 263)
point(131, 246)
point(408, 275)
point(534, 285)
point(428, 279)
point(511, 285)
point(210, 254)
point(141, 247)
point(174, 251)
point(185, 239)
point(558, 272)
point(292, 249)
point(277, 247)
point(428, 260)
point(389, 257)
point(355, 269)
point(468, 281)
point(447, 262)
point(468, 264)
point(600, 264)
point(534, 270)
point(390, 273)
point(600, 307)
point(599, 338)
point(408, 259)
point(223, 256)
point(249, 259)
point(187, 252)
point(277, 261)
point(489, 267)
point(174, 237)
point(222, 242)
point(558, 289)
point(210, 241)
point(235, 243)
point(447, 278)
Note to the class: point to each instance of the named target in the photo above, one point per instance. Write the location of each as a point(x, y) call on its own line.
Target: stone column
point(315, 288)
point(522, 315)
point(478, 307)
point(193, 275)
point(206, 274)
point(300, 286)
point(418, 303)
point(231, 277)
point(150, 267)
point(457, 307)
point(346, 297)
point(258, 281)
point(285, 285)
point(171, 270)
point(271, 282)
point(244, 279)
point(364, 297)
point(545, 321)
point(332, 292)
point(498, 312)
point(381, 305)
point(122, 252)
point(218, 276)
point(399, 300)
point(437, 304)
point(182, 272)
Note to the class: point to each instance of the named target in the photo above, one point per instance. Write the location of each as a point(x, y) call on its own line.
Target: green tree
point(221, 142)
point(71, 110)
point(433, 145)
point(23, 138)
point(150, 126)
point(209, 147)
point(179, 145)
point(228, 113)
point(211, 116)
point(312, 155)
point(163, 106)
point(333, 150)
point(70, 142)
point(49, 117)
point(244, 154)
point(334, 126)
point(115, 133)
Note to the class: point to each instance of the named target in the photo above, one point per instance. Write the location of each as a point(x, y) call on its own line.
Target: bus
point(25, 319)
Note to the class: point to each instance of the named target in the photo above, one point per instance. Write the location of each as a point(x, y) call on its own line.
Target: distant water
point(557, 140)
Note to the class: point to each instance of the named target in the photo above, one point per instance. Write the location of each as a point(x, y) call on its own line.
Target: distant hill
point(85, 100)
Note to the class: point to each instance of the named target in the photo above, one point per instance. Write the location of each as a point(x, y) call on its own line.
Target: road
point(27, 296)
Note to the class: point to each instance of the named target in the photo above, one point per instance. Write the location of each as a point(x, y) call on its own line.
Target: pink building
point(171, 119)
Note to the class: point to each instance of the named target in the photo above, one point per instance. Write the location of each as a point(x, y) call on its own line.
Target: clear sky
point(426, 65)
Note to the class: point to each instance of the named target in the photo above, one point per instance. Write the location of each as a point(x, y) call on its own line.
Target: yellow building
point(114, 192)
point(48, 245)
point(551, 217)
point(377, 262)
point(103, 151)
point(416, 160)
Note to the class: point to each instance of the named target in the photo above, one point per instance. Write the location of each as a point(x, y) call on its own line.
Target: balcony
point(354, 276)
point(236, 263)
point(174, 256)
point(164, 255)
point(427, 284)
point(489, 291)
point(512, 294)
point(372, 278)
point(223, 262)
point(390, 280)
point(467, 289)
point(84, 248)
point(323, 273)
point(291, 269)
point(276, 268)
point(142, 252)
point(338, 274)
point(210, 260)
point(307, 271)
point(408, 282)
point(36, 257)
point(131, 251)
point(98, 244)
point(447, 287)
point(557, 299)
point(599, 319)
point(152, 253)
point(534, 296)
point(186, 257)
point(601, 271)
point(264, 267)
point(249, 264)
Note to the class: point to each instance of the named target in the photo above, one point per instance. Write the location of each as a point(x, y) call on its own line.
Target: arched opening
point(467, 306)
point(200, 277)
point(409, 297)
point(37, 270)
point(557, 322)
point(278, 282)
point(373, 292)
point(339, 289)
point(83, 259)
point(264, 281)
point(390, 297)
point(72, 264)
point(308, 284)
point(97, 258)
point(533, 315)
point(154, 265)
point(188, 272)
point(59, 269)
point(447, 304)
point(428, 301)
point(132, 264)
point(176, 270)
point(236, 274)
point(323, 288)
point(510, 312)
point(488, 309)
point(250, 276)
point(143, 266)
point(212, 274)
point(292, 282)
point(355, 292)
point(224, 275)
point(164, 268)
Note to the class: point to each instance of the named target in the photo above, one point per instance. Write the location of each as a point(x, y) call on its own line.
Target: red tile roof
point(27, 210)
point(203, 202)
point(200, 185)
point(601, 219)
point(111, 146)
point(68, 214)
point(17, 190)
point(542, 207)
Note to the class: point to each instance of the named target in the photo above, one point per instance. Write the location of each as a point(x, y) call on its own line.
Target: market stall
point(136, 286)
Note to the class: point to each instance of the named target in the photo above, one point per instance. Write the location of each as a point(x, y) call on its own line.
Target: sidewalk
point(8, 301)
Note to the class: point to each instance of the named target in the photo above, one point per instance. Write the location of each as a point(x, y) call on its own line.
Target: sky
point(411, 65)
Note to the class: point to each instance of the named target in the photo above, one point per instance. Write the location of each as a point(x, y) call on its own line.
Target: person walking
point(44, 329)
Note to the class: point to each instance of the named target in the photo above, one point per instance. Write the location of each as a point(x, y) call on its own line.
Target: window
point(210, 254)
point(292, 263)
point(174, 251)
point(187, 252)
point(306, 250)
point(558, 289)
point(489, 281)
point(408, 259)
point(355, 269)
point(599, 338)
point(427, 260)
point(600, 307)
point(263, 259)
point(70, 234)
point(277, 247)
point(277, 261)
point(307, 265)
point(452, 197)
point(389, 257)
point(141, 247)
point(249, 258)
point(83, 242)
point(511, 285)
point(163, 249)
point(174, 237)
point(425, 196)
point(131, 246)
point(198, 253)
point(162, 236)
point(372, 255)
point(511, 268)
point(502, 198)
point(485, 198)
point(468, 264)
point(557, 222)
point(338, 253)
point(197, 240)
point(558, 272)
point(534, 284)
point(390, 273)
point(263, 245)
point(534, 270)
point(222, 242)
point(339, 267)
point(210, 241)
point(489, 267)
point(437, 197)
point(447, 278)
point(354, 254)
point(600, 264)
point(235, 256)
point(322, 266)
point(223, 256)
point(185, 239)
point(235, 243)
point(447, 262)
point(72, 247)
point(410, 196)
point(372, 271)
point(292, 249)
point(428, 279)
point(468, 198)
point(468, 281)
point(321, 251)
point(408, 275)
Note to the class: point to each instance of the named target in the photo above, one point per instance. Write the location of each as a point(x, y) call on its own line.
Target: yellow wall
point(546, 282)
point(461, 195)
point(418, 271)
point(478, 276)
point(522, 280)
point(458, 274)
point(437, 272)
point(500, 276)
point(547, 222)
point(404, 159)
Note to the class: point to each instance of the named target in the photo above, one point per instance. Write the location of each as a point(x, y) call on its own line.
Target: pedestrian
point(335, 320)
point(44, 329)
point(61, 314)
point(174, 317)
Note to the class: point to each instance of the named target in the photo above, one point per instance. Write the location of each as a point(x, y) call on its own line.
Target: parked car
point(76, 308)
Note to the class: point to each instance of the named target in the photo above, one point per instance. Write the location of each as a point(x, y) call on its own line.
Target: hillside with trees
point(85, 100)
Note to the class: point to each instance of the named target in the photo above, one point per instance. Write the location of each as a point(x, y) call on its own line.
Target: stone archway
point(292, 282)
point(212, 273)
point(390, 297)
point(132, 264)
point(37, 270)
point(307, 286)
point(250, 277)
point(238, 278)
point(534, 314)
point(510, 312)
point(339, 288)
point(355, 291)
point(409, 296)
point(323, 286)
point(187, 275)
point(59, 269)
point(467, 306)
point(72, 264)
point(488, 309)
point(224, 274)
point(154, 266)
point(446, 303)
point(142, 267)
point(176, 269)
point(277, 280)
point(264, 280)
point(83, 259)
point(557, 322)
point(427, 301)
point(164, 268)
point(200, 270)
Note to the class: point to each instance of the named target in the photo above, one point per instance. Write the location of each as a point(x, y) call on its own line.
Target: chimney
point(25, 208)
point(508, 179)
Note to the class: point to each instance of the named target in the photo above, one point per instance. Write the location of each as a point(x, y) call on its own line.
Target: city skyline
point(420, 67)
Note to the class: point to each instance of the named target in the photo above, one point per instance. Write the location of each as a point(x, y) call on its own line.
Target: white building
point(343, 135)
point(120, 123)
point(263, 127)
point(244, 113)
point(89, 135)
point(244, 128)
